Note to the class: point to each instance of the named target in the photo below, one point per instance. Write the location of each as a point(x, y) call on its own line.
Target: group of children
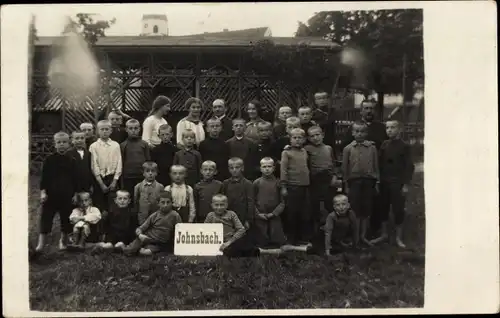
point(127, 195)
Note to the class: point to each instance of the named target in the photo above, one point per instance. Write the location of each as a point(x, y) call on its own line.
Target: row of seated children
point(300, 169)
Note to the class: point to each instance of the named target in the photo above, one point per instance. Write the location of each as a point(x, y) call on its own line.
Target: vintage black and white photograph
point(298, 129)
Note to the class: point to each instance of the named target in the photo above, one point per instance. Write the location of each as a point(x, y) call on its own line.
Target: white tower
point(154, 25)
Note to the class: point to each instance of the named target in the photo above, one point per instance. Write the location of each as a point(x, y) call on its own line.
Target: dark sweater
point(326, 120)
point(119, 135)
point(134, 153)
point(120, 224)
point(376, 133)
point(294, 167)
point(163, 155)
point(247, 150)
point(84, 171)
point(227, 128)
point(191, 159)
point(59, 177)
point(321, 159)
point(279, 129)
point(278, 147)
point(90, 140)
point(203, 192)
point(240, 198)
point(216, 150)
point(395, 162)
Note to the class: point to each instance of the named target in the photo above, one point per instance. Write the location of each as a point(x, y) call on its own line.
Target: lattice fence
point(212, 88)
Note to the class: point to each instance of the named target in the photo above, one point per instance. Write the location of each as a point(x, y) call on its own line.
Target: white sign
point(198, 239)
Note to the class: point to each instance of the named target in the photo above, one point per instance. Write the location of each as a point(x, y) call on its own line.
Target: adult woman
point(161, 106)
point(192, 121)
point(254, 118)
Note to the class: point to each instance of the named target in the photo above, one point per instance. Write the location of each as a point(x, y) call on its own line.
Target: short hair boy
point(396, 171)
point(157, 232)
point(265, 143)
point(58, 186)
point(189, 157)
point(118, 134)
point(206, 189)
point(182, 194)
point(88, 129)
point(135, 152)
point(121, 221)
point(269, 205)
point(236, 241)
point(244, 148)
point(341, 224)
point(294, 183)
point(215, 148)
point(323, 176)
point(361, 174)
point(147, 191)
point(84, 218)
point(106, 163)
point(80, 153)
point(239, 192)
point(163, 154)
point(305, 115)
point(279, 129)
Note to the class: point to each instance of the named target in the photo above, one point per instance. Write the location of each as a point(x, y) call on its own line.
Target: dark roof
point(202, 40)
point(155, 16)
point(250, 33)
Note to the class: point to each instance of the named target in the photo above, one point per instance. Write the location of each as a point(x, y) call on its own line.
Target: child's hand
point(262, 216)
point(247, 225)
point(142, 237)
point(104, 188)
point(284, 192)
point(269, 216)
point(43, 196)
point(287, 147)
point(223, 246)
point(404, 189)
point(112, 186)
point(138, 232)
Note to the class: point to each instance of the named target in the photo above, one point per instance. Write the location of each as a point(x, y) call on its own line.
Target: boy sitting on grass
point(340, 225)
point(120, 223)
point(157, 233)
point(83, 218)
point(237, 241)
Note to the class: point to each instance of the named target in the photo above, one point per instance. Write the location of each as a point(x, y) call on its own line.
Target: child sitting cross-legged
point(237, 241)
point(182, 194)
point(269, 205)
point(341, 224)
point(120, 223)
point(157, 233)
point(83, 218)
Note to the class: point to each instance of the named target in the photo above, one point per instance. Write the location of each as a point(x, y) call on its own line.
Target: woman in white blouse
point(161, 106)
point(192, 121)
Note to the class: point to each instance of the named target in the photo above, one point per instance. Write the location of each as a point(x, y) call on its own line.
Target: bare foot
point(62, 245)
point(39, 248)
point(364, 240)
point(400, 243)
point(380, 239)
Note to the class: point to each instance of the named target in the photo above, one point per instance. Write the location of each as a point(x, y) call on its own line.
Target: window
point(155, 29)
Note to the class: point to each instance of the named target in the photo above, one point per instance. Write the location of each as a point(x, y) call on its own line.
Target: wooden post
point(239, 86)
point(403, 120)
point(197, 74)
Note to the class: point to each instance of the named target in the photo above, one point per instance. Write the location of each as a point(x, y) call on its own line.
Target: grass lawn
point(380, 277)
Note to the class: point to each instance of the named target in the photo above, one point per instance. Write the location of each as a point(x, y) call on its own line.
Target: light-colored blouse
point(185, 124)
point(150, 129)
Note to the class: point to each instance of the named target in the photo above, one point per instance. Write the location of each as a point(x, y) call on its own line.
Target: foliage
point(91, 29)
point(385, 36)
point(297, 65)
point(379, 277)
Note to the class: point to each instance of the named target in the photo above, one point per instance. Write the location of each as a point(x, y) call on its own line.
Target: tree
point(90, 29)
point(387, 37)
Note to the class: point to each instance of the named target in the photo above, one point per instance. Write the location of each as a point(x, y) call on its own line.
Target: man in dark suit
point(219, 111)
